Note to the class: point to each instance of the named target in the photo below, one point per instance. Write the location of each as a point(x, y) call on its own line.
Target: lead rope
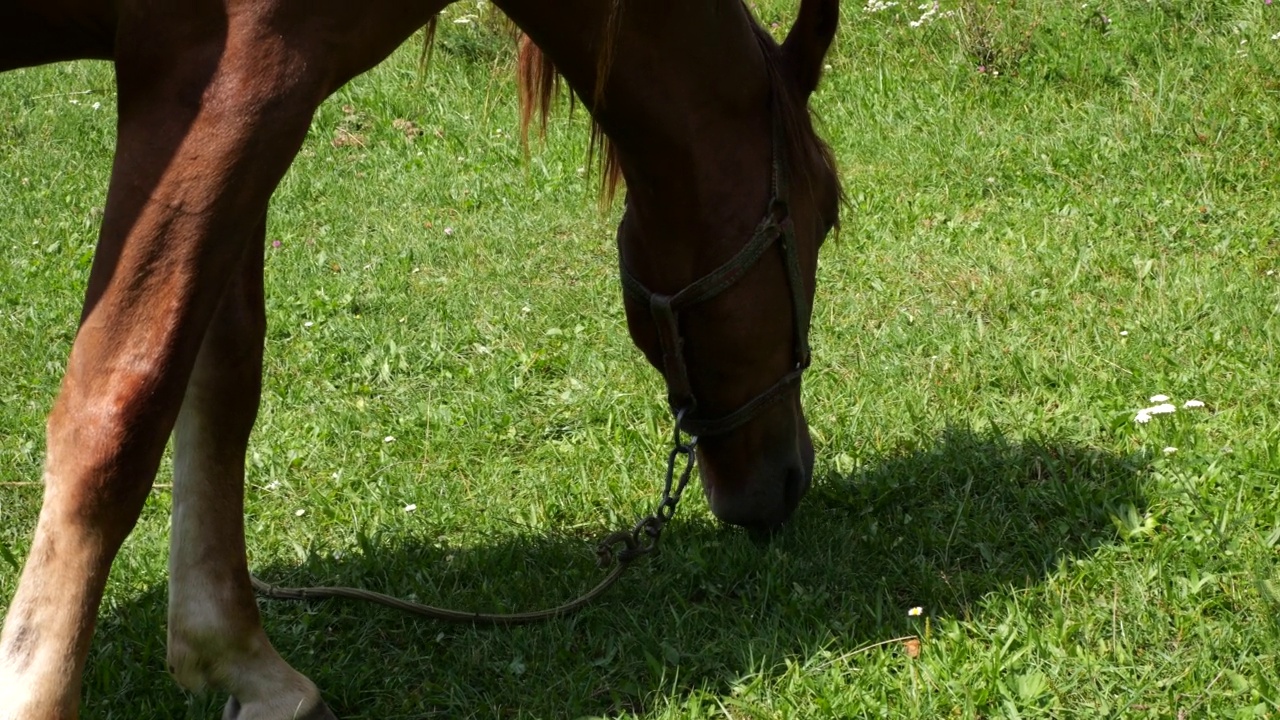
point(619, 549)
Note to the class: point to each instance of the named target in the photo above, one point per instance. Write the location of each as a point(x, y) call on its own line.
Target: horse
point(729, 195)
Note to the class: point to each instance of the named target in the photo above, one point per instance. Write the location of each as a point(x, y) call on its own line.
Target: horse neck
point(685, 102)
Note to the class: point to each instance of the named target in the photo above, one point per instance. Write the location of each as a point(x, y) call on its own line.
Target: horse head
point(730, 193)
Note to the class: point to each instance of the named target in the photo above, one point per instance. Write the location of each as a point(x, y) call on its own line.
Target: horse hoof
point(307, 711)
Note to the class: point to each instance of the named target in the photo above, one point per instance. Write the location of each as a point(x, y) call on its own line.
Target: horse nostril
point(794, 486)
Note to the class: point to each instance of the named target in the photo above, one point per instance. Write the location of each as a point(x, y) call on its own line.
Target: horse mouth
point(794, 489)
point(765, 500)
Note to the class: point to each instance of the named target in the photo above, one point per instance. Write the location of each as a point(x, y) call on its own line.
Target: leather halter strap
point(775, 229)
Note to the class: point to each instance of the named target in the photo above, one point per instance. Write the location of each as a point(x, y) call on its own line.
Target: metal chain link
point(640, 540)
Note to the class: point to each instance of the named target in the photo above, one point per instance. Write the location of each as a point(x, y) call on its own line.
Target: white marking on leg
point(216, 640)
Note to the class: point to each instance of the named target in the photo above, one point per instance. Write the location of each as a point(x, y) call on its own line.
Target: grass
point(1027, 258)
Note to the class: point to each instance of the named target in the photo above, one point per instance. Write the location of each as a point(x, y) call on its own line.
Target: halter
point(776, 227)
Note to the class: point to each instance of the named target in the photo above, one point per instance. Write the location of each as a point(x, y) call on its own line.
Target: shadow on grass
point(940, 526)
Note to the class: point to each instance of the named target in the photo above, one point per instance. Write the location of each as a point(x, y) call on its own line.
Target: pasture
point(1056, 212)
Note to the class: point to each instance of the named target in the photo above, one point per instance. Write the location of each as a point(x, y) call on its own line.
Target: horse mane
point(539, 83)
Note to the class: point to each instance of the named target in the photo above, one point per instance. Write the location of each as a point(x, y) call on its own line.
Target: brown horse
point(707, 122)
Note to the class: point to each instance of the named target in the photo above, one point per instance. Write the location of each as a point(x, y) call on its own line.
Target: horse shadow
point(941, 526)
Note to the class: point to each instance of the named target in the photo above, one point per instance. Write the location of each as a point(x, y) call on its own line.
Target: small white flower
point(448, 231)
point(874, 6)
point(1161, 409)
point(410, 507)
point(1276, 36)
point(389, 439)
point(930, 12)
point(1142, 418)
point(1271, 272)
point(1159, 398)
point(273, 485)
point(916, 611)
point(1192, 404)
point(307, 324)
point(1124, 333)
point(1170, 450)
point(300, 512)
point(97, 106)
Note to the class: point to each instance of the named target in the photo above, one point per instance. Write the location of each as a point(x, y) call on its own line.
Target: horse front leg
point(216, 640)
point(211, 115)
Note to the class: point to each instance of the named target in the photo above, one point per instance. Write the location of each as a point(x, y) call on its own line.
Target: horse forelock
point(793, 115)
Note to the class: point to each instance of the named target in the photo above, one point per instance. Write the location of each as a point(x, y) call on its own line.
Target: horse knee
point(105, 437)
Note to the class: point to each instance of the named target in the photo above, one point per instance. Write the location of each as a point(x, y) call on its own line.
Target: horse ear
point(806, 45)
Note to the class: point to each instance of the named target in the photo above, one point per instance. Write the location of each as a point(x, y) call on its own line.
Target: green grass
point(1027, 258)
